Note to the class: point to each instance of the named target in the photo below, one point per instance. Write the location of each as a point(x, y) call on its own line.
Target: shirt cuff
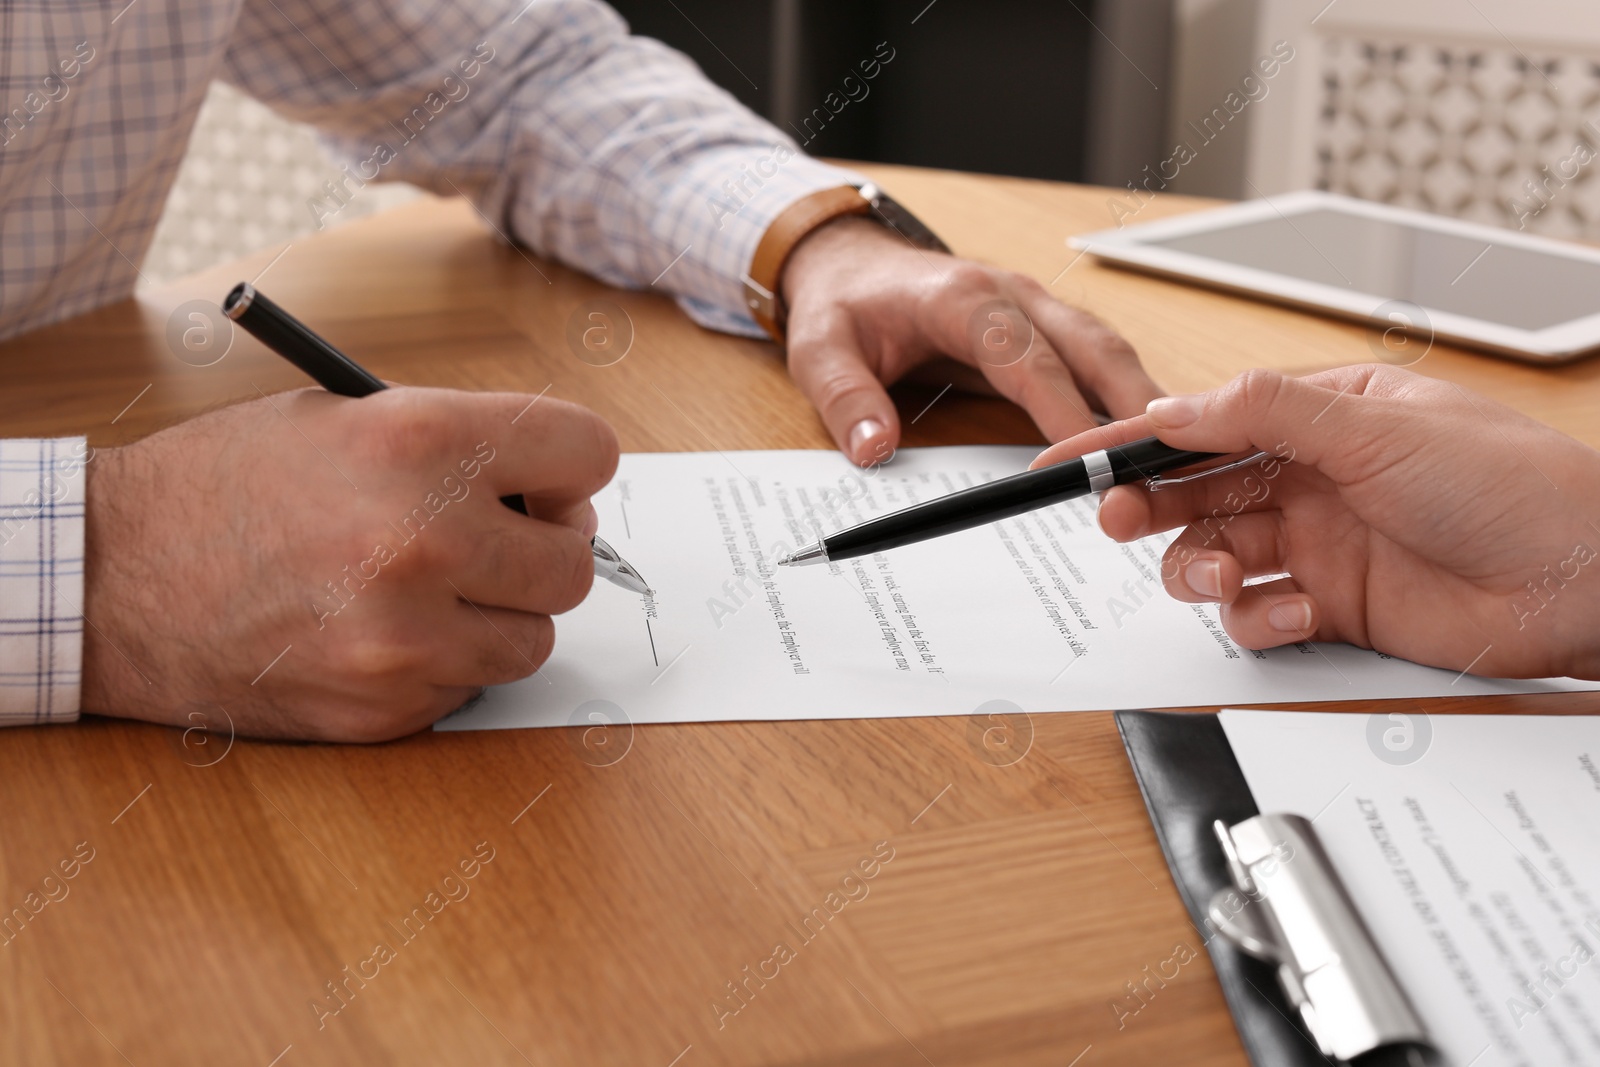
point(718, 216)
point(41, 578)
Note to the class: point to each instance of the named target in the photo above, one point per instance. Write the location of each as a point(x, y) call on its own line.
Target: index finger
point(1002, 342)
point(1103, 363)
point(1093, 440)
point(1131, 511)
point(545, 449)
point(554, 453)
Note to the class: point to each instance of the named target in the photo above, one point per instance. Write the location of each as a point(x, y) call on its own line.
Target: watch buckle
point(759, 299)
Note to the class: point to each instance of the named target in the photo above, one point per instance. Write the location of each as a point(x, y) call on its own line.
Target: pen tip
point(812, 553)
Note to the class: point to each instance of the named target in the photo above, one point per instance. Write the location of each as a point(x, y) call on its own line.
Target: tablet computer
point(1502, 290)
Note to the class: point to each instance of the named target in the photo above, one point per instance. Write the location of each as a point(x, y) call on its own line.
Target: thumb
point(854, 405)
point(1310, 420)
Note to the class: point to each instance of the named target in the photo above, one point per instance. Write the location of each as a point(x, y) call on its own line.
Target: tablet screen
point(1467, 276)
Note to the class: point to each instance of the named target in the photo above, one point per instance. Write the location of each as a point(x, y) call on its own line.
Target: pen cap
point(296, 342)
point(1142, 459)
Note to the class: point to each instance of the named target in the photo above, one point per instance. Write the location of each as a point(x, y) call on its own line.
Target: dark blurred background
point(1035, 88)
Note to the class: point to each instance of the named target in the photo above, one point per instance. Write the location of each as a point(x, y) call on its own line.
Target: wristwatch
point(803, 217)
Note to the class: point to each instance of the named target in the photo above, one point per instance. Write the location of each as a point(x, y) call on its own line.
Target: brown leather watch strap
point(783, 235)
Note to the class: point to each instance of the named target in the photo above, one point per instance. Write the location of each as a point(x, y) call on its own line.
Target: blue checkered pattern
point(609, 152)
point(41, 579)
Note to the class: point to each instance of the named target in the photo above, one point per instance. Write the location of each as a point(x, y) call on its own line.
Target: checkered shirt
point(609, 152)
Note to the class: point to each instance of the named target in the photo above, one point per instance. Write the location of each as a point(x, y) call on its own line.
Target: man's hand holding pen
point(383, 582)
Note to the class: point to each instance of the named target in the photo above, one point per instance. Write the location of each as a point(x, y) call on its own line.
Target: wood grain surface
point(706, 899)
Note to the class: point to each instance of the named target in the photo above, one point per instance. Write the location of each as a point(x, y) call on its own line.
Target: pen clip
point(1162, 481)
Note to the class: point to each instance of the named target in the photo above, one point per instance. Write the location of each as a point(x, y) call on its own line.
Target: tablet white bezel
point(1132, 246)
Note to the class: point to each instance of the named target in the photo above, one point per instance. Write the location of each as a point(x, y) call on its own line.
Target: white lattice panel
point(1493, 134)
point(246, 183)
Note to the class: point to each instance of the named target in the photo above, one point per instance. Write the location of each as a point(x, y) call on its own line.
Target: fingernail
point(1205, 577)
point(1290, 615)
point(1174, 411)
point(861, 434)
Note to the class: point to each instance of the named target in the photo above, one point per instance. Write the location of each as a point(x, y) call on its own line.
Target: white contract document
point(1471, 846)
point(1038, 613)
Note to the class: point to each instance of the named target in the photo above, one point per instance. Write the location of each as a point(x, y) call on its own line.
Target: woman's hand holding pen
point(318, 566)
point(1415, 518)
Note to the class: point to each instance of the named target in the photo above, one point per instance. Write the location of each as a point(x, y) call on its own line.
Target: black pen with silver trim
point(338, 373)
point(1143, 460)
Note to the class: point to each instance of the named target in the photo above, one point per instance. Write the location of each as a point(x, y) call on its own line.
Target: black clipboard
point(1191, 780)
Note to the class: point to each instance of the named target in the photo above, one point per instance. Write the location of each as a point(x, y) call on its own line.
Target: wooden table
point(229, 886)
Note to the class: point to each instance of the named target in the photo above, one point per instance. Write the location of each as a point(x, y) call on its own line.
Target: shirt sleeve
point(41, 579)
point(611, 153)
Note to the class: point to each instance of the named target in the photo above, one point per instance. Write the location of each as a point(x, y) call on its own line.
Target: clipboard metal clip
point(1162, 481)
point(1289, 908)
